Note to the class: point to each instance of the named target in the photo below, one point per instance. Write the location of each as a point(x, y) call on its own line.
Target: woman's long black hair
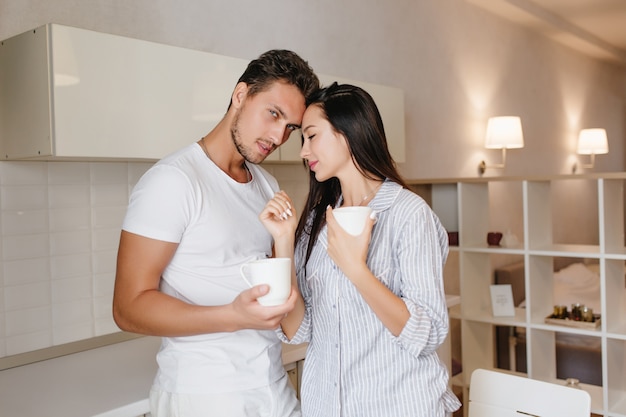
point(352, 112)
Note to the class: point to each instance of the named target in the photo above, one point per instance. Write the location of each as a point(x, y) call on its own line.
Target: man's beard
point(247, 154)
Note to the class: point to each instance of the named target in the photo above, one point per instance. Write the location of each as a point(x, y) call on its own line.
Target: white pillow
point(576, 283)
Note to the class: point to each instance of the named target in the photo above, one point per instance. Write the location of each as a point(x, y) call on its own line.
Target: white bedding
point(578, 283)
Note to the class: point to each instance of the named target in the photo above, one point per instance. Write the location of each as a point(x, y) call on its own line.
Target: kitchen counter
point(110, 381)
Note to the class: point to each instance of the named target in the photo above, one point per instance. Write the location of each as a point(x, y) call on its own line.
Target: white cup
point(275, 272)
point(352, 218)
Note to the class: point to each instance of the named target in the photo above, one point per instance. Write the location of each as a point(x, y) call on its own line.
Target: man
point(192, 221)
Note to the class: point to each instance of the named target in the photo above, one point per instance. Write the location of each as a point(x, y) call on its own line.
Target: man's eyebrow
point(284, 116)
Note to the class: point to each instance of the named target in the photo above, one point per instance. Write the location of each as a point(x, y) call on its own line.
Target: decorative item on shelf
point(453, 238)
point(493, 238)
point(580, 316)
point(572, 383)
point(591, 142)
point(503, 132)
point(509, 240)
point(502, 300)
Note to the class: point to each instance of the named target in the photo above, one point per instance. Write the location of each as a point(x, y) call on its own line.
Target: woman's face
point(325, 150)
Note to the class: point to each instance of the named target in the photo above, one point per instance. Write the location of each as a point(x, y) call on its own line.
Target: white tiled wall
point(60, 224)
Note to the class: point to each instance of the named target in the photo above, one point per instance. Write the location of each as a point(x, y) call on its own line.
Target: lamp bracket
point(482, 167)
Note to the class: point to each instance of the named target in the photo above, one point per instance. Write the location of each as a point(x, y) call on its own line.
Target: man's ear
point(239, 94)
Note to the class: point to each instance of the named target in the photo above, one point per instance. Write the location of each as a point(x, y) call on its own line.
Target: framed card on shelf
point(502, 300)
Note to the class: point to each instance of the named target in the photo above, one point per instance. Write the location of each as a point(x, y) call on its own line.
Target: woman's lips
point(312, 165)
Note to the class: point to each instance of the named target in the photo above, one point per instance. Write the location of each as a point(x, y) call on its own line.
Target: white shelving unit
point(536, 208)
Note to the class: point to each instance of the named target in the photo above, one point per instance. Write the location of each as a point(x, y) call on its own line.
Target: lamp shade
point(504, 132)
point(592, 142)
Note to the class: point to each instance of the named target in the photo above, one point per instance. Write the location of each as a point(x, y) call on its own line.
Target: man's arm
point(139, 306)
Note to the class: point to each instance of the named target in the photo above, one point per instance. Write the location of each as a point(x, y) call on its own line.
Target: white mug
point(275, 272)
point(352, 218)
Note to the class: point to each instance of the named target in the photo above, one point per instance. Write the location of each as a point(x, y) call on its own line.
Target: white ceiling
point(594, 27)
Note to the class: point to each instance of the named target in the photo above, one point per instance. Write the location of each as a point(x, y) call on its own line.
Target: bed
point(577, 356)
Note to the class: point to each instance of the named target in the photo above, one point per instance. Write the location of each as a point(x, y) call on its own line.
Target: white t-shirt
point(185, 198)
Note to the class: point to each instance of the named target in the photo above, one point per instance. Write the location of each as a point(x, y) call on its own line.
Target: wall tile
point(108, 216)
point(29, 320)
point(70, 313)
point(24, 197)
point(69, 289)
point(105, 326)
point(24, 247)
point(109, 195)
point(106, 239)
point(28, 342)
point(109, 172)
point(103, 285)
point(24, 271)
point(72, 265)
point(70, 218)
point(77, 195)
point(68, 173)
point(20, 297)
point(104, 261)
point(102, 306)
point(73, 333)
point(24, 222)
point(3, 348)
point(22, 173)
point(135, 171)
point(66, 243)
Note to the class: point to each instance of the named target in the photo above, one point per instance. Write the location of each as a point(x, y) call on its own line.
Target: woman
point(372, 306)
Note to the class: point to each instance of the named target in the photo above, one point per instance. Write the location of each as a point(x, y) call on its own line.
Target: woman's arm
point(280, 219)
point(350, 254)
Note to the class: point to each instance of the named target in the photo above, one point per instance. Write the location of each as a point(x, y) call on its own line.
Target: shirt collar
point(385, 197)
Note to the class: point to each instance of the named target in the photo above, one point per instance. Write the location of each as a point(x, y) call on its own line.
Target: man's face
point(264, 121)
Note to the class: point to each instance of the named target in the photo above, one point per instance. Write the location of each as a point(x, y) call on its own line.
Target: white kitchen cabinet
point(538, 247)
point(68, 93)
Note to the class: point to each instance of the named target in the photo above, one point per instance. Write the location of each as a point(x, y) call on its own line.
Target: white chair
point(498, 394)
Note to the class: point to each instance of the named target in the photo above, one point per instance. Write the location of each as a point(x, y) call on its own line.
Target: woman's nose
point(304, 151)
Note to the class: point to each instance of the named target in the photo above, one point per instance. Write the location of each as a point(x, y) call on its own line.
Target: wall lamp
point(591, 142)
point(503, 132)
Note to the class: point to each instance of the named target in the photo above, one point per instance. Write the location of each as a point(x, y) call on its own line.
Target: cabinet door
point(136, 99)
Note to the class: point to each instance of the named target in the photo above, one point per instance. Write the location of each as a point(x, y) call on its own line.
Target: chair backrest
point(498, 394)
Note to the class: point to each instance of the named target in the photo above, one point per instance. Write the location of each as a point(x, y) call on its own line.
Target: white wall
point(456, 63)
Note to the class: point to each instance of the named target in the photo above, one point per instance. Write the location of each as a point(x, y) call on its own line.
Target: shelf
point(566, 329)
point(487, 317)
point(484, 248)
point(566, 250)
point(556, 219)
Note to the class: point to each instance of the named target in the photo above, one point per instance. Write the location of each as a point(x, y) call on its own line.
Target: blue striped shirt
point(354, 366)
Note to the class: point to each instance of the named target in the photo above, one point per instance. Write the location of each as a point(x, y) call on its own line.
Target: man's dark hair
point(280, 65)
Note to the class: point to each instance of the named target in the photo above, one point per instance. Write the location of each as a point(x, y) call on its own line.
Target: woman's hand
point(279, 216)
point(347, 251)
